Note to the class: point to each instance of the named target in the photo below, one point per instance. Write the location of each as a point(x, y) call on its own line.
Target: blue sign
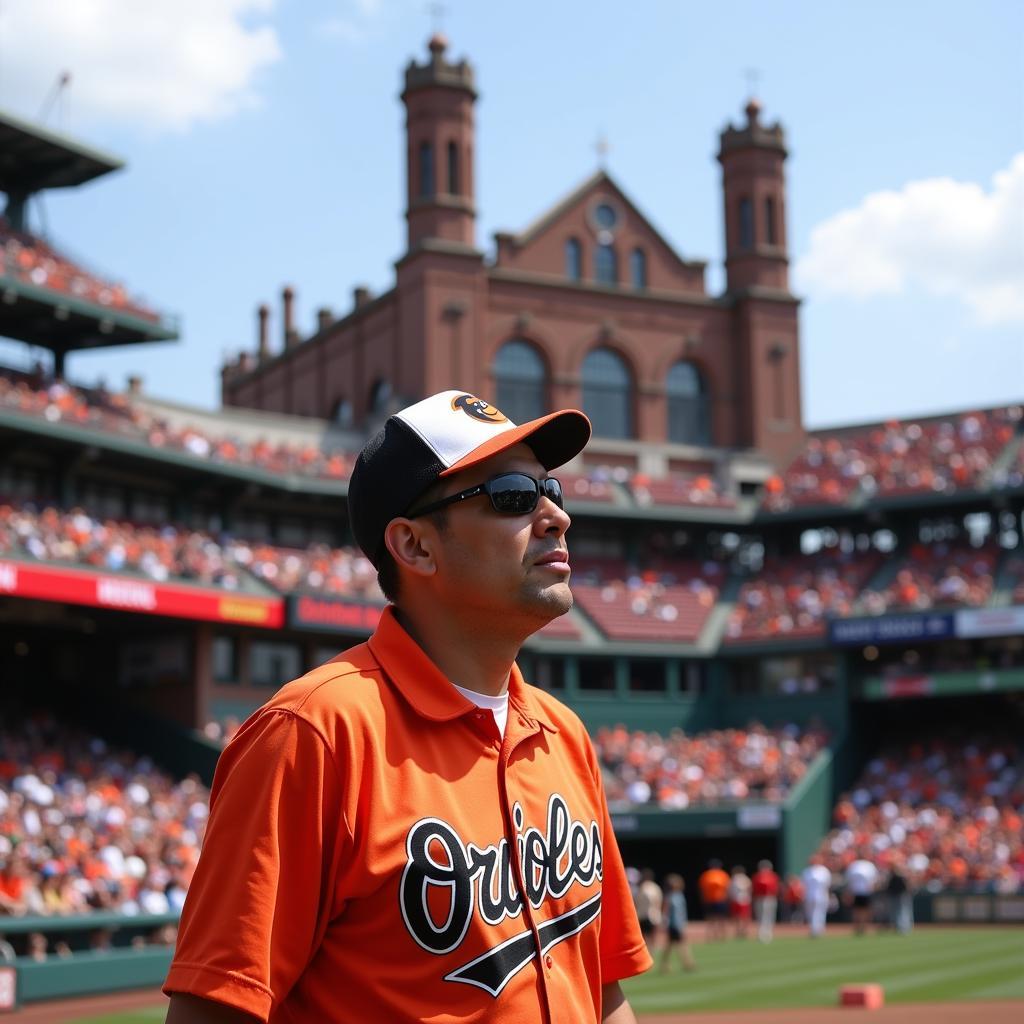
point(891, 629)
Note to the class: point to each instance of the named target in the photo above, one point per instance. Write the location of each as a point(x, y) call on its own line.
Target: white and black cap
point(435, 438)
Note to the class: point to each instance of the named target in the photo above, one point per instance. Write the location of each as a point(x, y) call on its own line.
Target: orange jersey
point(714, 886)
point(376, 851)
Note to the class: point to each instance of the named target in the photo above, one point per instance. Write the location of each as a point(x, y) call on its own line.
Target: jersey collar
point(425, 686)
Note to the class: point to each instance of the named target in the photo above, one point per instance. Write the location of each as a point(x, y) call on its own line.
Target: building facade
point(589, 307)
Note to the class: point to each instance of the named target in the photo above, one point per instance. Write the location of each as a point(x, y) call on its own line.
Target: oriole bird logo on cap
point(478, 409)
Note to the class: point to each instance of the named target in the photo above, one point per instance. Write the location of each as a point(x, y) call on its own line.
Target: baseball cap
point(441, 435)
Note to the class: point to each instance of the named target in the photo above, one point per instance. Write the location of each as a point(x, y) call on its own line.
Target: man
point(739, 900)
point(817, 883)
point(900, 900)
point(714, 895)
point(676, 918)
point(861, 881)
point(411, 832)
point(647, 899)
point(765, 885)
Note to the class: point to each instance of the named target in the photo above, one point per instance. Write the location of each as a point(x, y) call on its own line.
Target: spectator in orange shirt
point(714, 894)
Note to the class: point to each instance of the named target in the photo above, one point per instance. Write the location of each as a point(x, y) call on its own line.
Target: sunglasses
point(511, 494)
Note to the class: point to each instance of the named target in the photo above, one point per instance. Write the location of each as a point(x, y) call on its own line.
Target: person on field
point(765, 887)
point(900, 901)
point(861, 882)
point(676, 919)
point(648, 899)
point(740, 901)
point(817, 883)
point(412, 832)
point(714, 897)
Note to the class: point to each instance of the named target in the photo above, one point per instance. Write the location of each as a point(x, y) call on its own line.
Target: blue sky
point(265, 139)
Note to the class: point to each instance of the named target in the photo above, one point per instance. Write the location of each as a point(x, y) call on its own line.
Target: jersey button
point(548, 962)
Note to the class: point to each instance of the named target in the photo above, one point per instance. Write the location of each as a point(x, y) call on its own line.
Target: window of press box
point(543, 671)
point(225, 659)
point(597, 674)
point(647, 676)
point(790, 676)
point(273, 664)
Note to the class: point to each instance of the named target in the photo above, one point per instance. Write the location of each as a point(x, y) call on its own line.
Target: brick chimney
point(291, 336)
point(324, 318)
point(134, 385)
point(263, 334)
point(361, 296)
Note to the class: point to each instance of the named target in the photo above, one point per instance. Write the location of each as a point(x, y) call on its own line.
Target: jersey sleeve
point(264, 889)
point(623, 949)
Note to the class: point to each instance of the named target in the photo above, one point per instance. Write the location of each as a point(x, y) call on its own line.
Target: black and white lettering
point(481, 880)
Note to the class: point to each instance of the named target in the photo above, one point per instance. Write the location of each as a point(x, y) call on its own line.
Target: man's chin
point(552, 601)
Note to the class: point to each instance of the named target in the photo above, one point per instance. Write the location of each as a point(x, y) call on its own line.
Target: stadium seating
point(668, 601)
point(84, 827)
point(934, 456)
point(700, 490)
point(58, 402)
point(33, 260)
point(791, 597)
point(937, 575)
point(677, 771)
point(949, 812)
point(171, 553)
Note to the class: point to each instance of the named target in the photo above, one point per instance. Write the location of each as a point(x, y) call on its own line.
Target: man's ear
point(411, 543)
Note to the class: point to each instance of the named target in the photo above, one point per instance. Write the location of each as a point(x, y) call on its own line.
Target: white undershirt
point(498, 706)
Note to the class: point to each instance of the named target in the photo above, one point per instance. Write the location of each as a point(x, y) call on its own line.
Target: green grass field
point(929, 966)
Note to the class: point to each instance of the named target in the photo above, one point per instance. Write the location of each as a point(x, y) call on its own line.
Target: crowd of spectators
point(667, 599)
point(792, 596)
point(84, 827)
point(677, 770)
point(948, 813)
point(340, 571)
point(690, 489)
point(58, 402)
point(938, 575)
point(75, 537)
point(163, 553)
point(937, 456)
point(31, 259)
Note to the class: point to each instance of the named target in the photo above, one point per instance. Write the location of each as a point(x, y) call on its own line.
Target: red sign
point(333, 615)
point(126, 593)
point(909, 686)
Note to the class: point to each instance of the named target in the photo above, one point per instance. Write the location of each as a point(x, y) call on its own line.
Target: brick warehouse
point(589, 306)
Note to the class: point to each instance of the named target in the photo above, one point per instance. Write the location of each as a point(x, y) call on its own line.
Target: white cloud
point(948, 237)
point(158, 64)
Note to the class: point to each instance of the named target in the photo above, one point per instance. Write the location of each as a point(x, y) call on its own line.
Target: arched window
point(689, 412)
point(380, 396)
point(770, 233)
point(519, 379)
point(453, 169)
point(573, 259)
point(426, 169)
point(606, 265)
point(638, 268)
point(608, 393)
point(746, 224)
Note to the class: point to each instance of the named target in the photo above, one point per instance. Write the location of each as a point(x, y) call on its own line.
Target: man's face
point(489, 564)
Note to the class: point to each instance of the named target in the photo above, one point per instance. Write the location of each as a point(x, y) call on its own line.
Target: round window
point(605, 216)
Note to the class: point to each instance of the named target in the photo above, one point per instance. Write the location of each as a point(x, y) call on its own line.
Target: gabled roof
point(598, 178)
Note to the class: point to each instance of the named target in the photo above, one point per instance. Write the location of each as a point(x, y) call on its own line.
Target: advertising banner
point(891, 629)
point(332, 614)
point(135, 594)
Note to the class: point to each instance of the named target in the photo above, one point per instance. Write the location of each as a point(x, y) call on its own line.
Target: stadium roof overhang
point(65, 323)
point(33, 158)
